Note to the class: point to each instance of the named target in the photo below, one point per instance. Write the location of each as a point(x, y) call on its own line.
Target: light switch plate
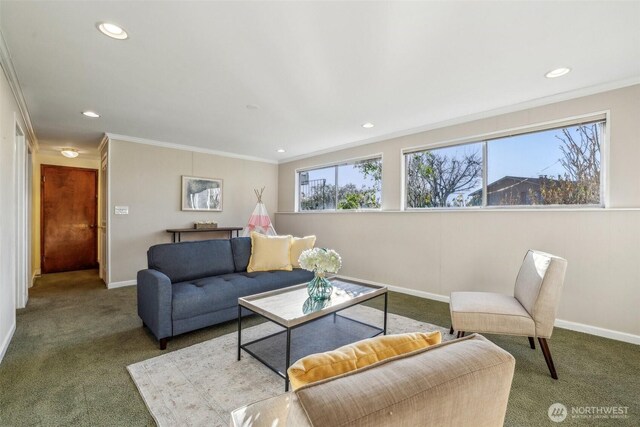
point(122, 210)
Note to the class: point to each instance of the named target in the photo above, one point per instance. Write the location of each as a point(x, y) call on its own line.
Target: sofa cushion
point(316, 367)
point(200, 296)
point(271, 280)
point(192, 299)
point(191, 260)
point(241, 249)
point(298, 245)
point(270, 253)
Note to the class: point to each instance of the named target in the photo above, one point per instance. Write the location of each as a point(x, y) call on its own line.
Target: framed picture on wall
point(201, 194)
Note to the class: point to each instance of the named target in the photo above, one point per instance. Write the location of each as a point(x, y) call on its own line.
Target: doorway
point(69, 207)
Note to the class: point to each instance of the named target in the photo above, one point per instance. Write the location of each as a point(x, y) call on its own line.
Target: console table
point(177, 232)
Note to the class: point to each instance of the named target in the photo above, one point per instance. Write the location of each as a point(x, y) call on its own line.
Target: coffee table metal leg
point(286, 369)
point(239, 329)
point(385, 313)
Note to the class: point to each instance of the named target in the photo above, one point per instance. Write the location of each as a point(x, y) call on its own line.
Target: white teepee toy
point(259, 220)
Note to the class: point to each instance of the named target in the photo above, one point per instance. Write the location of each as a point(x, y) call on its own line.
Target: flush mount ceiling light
point(69, 152)
point(112, 30)
point(558, 72)
point(91, 114)
point(280, 150)
point(367, 125)
point(253, 107)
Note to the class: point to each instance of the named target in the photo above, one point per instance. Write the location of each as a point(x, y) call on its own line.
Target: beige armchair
point(531, 312)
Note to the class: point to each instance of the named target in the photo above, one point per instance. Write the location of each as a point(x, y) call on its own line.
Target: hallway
point(66, 362)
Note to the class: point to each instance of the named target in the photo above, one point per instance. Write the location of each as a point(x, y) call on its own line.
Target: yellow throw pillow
point(299, 244)
point(316, 367)
point(269, 253)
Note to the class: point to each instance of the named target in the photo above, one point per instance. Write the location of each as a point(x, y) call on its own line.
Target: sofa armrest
point(154, 302)
point(281, 411)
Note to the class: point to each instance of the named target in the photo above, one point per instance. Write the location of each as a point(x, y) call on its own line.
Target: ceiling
point(317, 70)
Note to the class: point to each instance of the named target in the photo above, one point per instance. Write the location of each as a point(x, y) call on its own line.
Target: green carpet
point(66, 363)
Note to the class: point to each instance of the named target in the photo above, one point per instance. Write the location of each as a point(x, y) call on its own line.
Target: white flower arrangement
point(320, 260)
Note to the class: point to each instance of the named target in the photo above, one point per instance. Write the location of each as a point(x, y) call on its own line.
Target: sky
point(528, 155)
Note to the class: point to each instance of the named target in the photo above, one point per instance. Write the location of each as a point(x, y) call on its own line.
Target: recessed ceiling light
point(112, 30)
point(91, 114)
point(280, 150)
point(367, 125)
point(253, 107)
point(558, 72)
point(69, 152)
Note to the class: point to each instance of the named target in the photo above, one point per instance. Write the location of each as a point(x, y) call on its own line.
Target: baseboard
point(565, 324)
point(601, 332)
point(7, 340)
point(36, 273)
point(421, 294)
point(114, 285)
point(413, 292)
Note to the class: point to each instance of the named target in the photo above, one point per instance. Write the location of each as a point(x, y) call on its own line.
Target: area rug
point(200, 385)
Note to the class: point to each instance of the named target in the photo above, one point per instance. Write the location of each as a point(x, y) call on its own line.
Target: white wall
point(9, 113)
point(148, 179)
point(432, 253)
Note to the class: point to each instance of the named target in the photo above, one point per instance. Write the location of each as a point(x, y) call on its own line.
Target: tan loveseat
point(457, 383)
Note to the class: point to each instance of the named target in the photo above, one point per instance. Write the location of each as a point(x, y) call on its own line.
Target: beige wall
point(57, 160)
point(148, 180)
point(436, 252)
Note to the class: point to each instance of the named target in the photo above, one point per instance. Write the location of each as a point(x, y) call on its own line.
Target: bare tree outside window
point(580, 184)
point(443, 177)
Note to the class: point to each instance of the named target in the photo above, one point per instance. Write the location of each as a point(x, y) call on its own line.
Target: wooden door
point(68, 217)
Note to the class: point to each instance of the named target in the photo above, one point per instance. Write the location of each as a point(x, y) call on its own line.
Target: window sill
point(460, 210)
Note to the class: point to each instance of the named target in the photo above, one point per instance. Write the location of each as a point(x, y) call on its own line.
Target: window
point(352, 185)
point(444, 177)
point(559, 166)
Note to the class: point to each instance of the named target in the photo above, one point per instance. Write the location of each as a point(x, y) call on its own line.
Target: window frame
point(335, 165)
point(486, 138)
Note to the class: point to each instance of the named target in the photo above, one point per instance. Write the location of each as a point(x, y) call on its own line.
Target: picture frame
point(201, 194)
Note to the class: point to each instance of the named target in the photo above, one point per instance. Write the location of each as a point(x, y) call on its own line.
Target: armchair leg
point(547, 357)
point(460, 334)
point(163, 343)
point(451, 330)
point(532, 343)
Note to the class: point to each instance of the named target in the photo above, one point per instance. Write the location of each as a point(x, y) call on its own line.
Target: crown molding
point(7, 65)
point(539, 102)
point(183, 147)
point(104, 141)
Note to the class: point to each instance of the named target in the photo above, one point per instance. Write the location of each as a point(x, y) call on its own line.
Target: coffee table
point(309, 326)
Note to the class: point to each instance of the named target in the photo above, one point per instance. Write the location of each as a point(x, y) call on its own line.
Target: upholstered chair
point(530, 312)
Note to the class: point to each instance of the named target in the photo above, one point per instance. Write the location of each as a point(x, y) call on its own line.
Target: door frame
point(95, 219)
point(22, 224)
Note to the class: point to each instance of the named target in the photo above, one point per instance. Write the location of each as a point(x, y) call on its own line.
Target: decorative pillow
point(299, 244)
point(269, 253)
point(316, 367)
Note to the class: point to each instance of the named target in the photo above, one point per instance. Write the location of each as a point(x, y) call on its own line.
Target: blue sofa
point(191, 285)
